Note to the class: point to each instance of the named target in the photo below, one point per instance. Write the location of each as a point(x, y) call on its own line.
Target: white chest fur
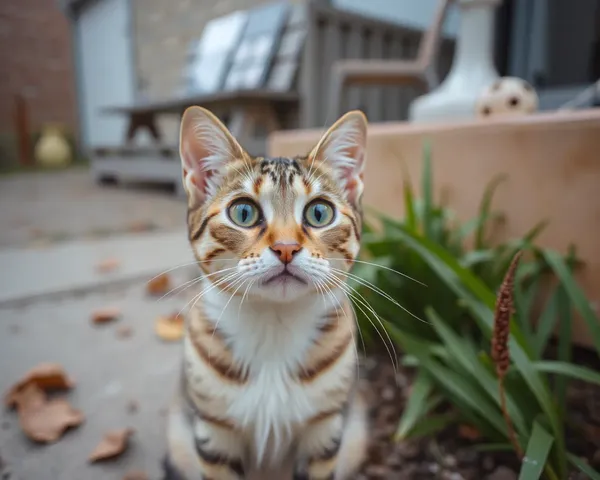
point(271, 341)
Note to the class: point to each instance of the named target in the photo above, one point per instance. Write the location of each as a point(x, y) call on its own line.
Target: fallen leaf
point(468, 432)
point(112, 445)
point(107, 265)
point(159, 285)
point(46, 376)
point(104, 315)
point(136, 475)
point(169, 327)
point(124, 331)
point(132, 406)
point(141, 226)
point(44, 420)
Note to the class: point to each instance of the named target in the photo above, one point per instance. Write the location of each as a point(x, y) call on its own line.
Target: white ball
point(507, 96)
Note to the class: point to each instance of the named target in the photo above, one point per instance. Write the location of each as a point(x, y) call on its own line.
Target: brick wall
point(36, 60)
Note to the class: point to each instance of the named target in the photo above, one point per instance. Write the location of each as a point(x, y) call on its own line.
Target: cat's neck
point(262, 330)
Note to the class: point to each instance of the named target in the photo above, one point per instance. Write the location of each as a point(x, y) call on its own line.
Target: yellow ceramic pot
point(52, 149)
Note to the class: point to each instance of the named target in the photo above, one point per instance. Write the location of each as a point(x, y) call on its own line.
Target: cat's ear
point(344, 147)
point(205, 147)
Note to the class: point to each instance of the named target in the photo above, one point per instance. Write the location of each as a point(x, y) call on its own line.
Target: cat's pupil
point(318, 213)
point(245, 212)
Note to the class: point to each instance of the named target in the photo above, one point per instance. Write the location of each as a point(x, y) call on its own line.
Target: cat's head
point(276, 228)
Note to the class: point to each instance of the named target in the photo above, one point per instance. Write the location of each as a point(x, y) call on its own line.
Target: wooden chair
point(420, 72)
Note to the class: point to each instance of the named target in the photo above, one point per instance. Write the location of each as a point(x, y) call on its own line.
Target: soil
point(450, 454)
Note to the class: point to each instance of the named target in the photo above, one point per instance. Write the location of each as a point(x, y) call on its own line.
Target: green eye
point(244, 214)
point(319, 214)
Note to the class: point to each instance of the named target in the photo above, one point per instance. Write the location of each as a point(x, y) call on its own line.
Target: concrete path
point(110, 373)
point(71, 266)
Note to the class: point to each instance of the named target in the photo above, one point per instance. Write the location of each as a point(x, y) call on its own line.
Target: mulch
point(451, 453)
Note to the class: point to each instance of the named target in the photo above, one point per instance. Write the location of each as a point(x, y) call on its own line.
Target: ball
point(507, 96)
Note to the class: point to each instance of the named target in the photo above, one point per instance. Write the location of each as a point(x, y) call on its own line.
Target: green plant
point(450, 347)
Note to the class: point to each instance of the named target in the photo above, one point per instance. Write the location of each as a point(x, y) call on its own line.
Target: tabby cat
point(268, 388)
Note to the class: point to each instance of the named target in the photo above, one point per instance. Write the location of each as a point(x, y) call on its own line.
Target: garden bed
point(453, 453)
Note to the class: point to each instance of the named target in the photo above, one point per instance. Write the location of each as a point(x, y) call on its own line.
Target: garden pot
point(52, 149)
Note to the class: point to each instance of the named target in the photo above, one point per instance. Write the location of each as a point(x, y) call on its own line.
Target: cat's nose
point(286, 251)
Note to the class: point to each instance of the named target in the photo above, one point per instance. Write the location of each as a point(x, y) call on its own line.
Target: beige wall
point(552, 160)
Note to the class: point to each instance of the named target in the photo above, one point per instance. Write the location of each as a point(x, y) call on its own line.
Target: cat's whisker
point(376, 289)
point(198, 296)
point(353, 293)
point(194, 281)
point(347, 318)
point(195, 262)
point(241, 282)
point(244, 296)
point(379, 266)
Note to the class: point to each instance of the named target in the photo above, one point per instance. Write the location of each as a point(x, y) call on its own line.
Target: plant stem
point(512, 436)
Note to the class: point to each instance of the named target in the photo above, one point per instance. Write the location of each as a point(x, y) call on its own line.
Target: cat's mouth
point(283, 277)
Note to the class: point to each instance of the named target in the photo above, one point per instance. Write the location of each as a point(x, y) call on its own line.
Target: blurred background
point(484, 140)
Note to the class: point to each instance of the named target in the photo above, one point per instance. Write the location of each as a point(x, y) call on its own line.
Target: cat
point(268, 385)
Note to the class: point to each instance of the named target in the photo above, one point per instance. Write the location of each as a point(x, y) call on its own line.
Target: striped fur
point(268, 382)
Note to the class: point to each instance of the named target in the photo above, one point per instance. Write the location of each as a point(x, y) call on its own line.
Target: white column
point(472, 68)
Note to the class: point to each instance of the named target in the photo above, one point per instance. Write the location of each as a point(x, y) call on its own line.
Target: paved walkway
point(55, 228)
point(45, 208)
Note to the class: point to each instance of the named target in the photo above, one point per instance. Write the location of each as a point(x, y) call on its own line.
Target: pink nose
point(286, 252)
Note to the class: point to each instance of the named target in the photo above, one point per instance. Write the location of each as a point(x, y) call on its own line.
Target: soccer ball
point(507, 96)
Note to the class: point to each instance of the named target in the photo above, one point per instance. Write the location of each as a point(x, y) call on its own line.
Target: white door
point(105, 68)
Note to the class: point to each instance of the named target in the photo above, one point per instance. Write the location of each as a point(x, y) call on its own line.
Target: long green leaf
point(416, 407)
point(577, 297)
point(431, 424)
point(568, 370)
point(546, 325)
point(427, 186)
point(484, 209)
point(583, 466)
point(564, 345)
point(481, 301)
point(408, 193)
point(473, 368)
point(536, 455)
point(449, 380)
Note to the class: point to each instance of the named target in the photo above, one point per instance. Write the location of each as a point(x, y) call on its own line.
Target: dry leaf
point(112, 445)
point(159, 285)
point(45, 420)
point(132, 406)
point(104, 315)
point(141, 226)
point(124, 331)
point(136, 475)
point(169, 327)
point(46, 376)
point(468, 432)
point(107, 265)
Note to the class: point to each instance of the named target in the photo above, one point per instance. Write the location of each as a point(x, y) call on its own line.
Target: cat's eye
point(244, 213)
point(319, 214)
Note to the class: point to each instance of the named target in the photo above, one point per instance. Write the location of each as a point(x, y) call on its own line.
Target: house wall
point(36, 61)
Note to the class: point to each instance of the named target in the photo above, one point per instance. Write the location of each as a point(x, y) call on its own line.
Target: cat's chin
point(283, 289)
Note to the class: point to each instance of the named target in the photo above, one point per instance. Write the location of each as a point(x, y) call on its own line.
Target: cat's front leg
point(201, 450)
point(318, 450)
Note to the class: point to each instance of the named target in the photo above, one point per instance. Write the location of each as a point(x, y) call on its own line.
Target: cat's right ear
point(205, 147)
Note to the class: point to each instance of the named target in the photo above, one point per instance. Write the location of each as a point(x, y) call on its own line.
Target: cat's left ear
point(344, 149)
point(205, 147)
